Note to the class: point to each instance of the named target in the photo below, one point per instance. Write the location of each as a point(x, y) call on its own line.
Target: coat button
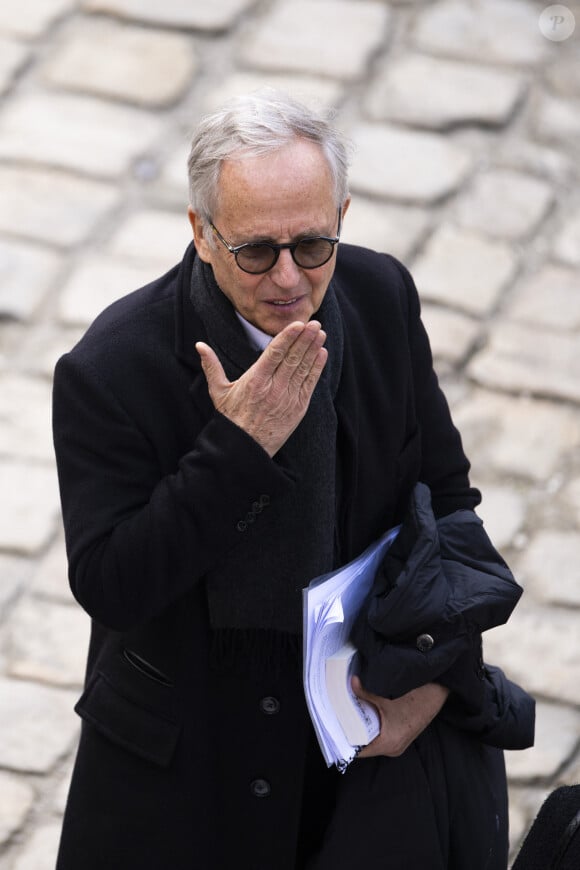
point(425, 643)
point(260, 788)
point(241, 526)
point(270, 705)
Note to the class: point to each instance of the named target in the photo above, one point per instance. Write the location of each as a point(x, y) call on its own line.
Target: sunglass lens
point(256, 258)
point(311, 253)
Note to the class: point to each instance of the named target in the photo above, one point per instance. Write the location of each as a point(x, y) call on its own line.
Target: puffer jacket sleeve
point(440, 585)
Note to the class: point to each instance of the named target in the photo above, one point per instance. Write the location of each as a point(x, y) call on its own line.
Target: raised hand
point(271, 398)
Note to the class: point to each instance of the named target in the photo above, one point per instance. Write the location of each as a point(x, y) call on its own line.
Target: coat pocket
point(143, 732)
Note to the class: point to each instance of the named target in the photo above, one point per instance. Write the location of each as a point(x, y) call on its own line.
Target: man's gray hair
point(254, 125)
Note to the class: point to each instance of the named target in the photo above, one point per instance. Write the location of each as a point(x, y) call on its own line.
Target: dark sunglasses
point(258, 257)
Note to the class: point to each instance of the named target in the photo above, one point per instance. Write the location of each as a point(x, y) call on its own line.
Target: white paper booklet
point(357, 718)
point(330, 605)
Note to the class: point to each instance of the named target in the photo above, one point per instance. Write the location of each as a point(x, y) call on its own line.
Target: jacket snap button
point(425, 642)
point(270, 705)
point(260, 788)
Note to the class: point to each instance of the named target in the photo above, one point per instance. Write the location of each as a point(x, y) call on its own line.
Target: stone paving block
point(51, 206)
point(140, 65)
point(538, 648)
point(571, 496)
point(491, 31)
point(42, 346)
point(503, 511)
point(11, 337)
point(60, 794)
point(518, 821)
point(557, 734)
point(548, 298)
point(549, 567)
point(544, 161)
point(391, 229)
point(173, 181)
point(25, 412)
point(452, 335)
point(15, 573)
point(516, 436)
point(74, 132)
point(50, 578)
point(37, 725)
point(428, 92)
point(26, 274)
point(571, 773)
point(563, 76)
point(319, 93)
point(558, 120)
point(461, 269)
point(410, 166)
point(194, 14)
point(95, 283)
point(153, 235)
point(520, 358)
point(16, 799)
point(13, 55)
point(47, 642)
point(337, 39)
point(40, 850)
point(504, 203)
point(30, 508)
point(32, 18)
point(567, 240)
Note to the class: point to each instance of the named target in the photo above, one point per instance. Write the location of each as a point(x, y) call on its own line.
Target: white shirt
point(258, 339)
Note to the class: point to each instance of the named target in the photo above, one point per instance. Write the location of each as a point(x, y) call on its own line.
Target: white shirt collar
point(258, 339)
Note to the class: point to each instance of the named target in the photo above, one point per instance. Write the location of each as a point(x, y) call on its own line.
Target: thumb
point(359, 690)
point(212, 368)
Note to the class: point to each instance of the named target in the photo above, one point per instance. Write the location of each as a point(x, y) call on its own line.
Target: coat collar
point(188, 327)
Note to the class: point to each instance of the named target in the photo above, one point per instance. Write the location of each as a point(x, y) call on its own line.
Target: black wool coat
point(180, 766)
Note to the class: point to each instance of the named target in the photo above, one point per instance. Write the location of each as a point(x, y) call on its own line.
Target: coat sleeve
point(445, 469)
point(138, 538)
point(444, 465)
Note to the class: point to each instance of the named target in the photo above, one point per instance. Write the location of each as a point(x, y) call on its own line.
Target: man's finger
point(287, 349)
point(278, 348)
point(212, 368)
point(308, 372)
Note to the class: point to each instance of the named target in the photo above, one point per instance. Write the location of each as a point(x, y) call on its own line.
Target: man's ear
point(199, 229)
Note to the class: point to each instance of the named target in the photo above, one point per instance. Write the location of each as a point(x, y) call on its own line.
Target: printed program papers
point(330, 605)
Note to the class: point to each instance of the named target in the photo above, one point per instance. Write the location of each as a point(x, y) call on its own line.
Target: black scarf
point(259, 586)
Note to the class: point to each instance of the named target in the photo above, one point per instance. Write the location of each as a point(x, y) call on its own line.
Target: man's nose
point(285, 272)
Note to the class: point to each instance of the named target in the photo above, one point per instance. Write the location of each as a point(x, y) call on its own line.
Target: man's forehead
point(297, 159)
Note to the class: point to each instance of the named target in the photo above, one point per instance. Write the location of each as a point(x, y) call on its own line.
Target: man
point(250, 420)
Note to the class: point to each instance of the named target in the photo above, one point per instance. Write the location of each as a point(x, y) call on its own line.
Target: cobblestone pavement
point(466, 120)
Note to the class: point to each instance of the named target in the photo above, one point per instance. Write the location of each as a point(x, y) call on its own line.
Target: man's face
point(279, 197)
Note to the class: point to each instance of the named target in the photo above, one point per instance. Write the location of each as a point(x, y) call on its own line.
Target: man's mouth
point(283, 302)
